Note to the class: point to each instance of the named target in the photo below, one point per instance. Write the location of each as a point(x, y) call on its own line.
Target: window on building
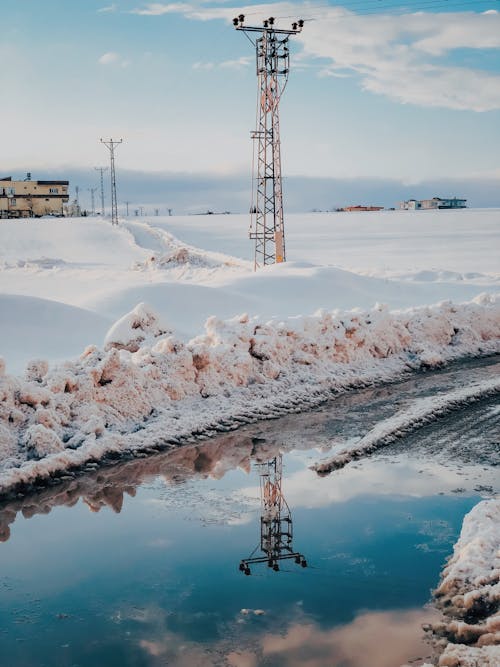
point(53, 191)
point(13, 202)
point(11, 191)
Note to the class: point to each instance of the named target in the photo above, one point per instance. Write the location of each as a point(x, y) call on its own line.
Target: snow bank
point(239, 370)
point(465, 656)
point(469, 592)
point(422, 411)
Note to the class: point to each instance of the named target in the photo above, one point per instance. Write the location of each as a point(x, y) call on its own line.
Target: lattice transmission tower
point(276, 526)
point(110, 144)
point(273, 66)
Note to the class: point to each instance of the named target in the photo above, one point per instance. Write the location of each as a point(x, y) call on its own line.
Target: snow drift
point(148, 387)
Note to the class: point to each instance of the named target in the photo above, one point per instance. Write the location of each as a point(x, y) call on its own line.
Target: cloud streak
point(159, 9)
point(110, 9)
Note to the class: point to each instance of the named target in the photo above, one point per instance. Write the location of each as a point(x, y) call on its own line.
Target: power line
point(352, 10)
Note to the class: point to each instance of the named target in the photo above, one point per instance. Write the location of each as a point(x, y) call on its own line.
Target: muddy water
point(138, 564)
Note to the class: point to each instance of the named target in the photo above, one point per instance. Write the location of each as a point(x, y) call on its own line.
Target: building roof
point(9, 178)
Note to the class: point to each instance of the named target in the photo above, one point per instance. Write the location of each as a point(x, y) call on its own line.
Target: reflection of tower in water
point(276, 527)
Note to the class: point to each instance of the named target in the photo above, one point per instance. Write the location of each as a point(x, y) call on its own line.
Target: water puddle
point(139, 564)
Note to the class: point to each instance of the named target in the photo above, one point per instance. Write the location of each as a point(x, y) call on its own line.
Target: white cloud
point(113, 58)
point(109, 58)
point(408, 58)
point(159, 8)
point(204, 66)
point(236, 64)
point(108, 9)
point(401, 56)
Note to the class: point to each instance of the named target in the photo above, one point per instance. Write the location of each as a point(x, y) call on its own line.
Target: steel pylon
point(267, 227)
point(276, 525)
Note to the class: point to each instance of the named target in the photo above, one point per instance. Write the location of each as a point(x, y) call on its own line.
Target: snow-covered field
point(64, 282)
point(117, 338)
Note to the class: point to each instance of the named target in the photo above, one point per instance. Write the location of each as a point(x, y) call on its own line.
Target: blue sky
point(376, 92)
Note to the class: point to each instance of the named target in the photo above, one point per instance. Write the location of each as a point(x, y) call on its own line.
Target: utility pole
point(110, 145)
point(273, 66)
point(77, 191)
point(126, 204)
point(92, 199)
point(102, 170)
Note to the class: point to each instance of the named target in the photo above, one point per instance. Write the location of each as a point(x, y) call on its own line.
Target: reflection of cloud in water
point(390, 639)
point(399, 477)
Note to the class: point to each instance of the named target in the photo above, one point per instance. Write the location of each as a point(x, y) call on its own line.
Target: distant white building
point(434, 203)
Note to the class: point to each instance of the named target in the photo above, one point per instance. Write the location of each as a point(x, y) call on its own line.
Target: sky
point(403, 96)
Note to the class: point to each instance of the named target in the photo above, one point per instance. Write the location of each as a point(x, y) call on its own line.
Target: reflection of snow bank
point(422, 411)
point(162, 389)
point(469, 592)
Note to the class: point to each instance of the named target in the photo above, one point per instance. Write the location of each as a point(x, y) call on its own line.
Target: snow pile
point(422, 411)
point(184, 256)
point(469, 592)
point(135, 328)
point(169, 253)
point(459, 655)
point(156, 387)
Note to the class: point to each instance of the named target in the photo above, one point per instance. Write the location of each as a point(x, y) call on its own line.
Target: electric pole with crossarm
point(110, 145)
point(273, 65)
point(102, 170)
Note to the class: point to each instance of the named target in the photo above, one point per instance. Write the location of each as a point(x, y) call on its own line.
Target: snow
point(420, 412)
point(469, 592)
point(120, 339)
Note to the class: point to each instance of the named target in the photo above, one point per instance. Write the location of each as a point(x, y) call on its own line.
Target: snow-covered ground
point(337, 260)
point(125, 357)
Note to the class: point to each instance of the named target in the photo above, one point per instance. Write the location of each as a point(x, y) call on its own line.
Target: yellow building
point(32, 199)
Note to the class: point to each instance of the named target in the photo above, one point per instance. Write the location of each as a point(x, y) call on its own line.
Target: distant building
point(32, 199)
point(362, 208)
point(434, 203)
